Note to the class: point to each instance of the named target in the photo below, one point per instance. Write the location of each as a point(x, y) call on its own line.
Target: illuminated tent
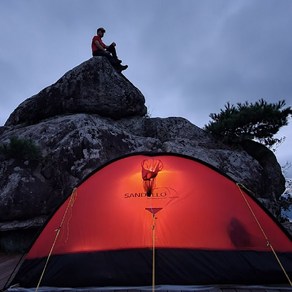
point(154, 220)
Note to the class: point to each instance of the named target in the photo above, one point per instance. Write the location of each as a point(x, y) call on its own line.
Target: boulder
point(89, 117)
point(92, 87)
point(73, 146)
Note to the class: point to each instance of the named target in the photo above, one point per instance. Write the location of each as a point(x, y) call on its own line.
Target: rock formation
point(92, 87)
point(89, 117)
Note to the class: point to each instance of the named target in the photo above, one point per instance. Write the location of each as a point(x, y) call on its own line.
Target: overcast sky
point(187, 57)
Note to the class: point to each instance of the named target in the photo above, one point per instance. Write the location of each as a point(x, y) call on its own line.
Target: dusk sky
point(188, 58)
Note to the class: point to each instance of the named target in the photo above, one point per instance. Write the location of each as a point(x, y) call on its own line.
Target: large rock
point(73, 146)
point(92, 87)
point(89, 117)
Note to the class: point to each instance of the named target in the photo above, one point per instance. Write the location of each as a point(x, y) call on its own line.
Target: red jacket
point(94, 46)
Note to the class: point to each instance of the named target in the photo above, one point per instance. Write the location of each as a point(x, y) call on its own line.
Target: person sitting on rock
point(99, 48)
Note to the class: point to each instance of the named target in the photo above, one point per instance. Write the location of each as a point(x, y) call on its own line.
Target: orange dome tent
point(154, 220)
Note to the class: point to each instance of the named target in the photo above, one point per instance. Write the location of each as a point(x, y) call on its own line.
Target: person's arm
point(99, 46)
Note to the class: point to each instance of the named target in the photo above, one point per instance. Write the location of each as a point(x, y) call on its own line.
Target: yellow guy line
point(70, 204)
point(263, 232)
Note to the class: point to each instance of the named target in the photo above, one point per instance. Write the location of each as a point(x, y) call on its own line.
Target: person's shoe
point(123, 67)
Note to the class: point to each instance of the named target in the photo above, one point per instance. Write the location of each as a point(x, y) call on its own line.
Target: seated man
point(101, 49)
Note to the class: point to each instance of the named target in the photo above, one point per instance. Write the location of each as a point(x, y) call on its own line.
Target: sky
point(188, 57)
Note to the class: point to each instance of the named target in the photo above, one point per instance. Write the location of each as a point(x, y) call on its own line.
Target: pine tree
point(258, 121)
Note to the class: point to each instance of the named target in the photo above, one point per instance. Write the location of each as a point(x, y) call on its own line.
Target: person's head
point(100, 31)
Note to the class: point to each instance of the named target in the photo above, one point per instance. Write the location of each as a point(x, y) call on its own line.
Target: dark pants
point(112, 50)
point(112, 57)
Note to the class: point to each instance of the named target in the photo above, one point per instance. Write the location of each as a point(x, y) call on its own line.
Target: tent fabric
point(207, 231)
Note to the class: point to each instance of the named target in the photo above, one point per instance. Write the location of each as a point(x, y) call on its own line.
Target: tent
point(158, 220)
